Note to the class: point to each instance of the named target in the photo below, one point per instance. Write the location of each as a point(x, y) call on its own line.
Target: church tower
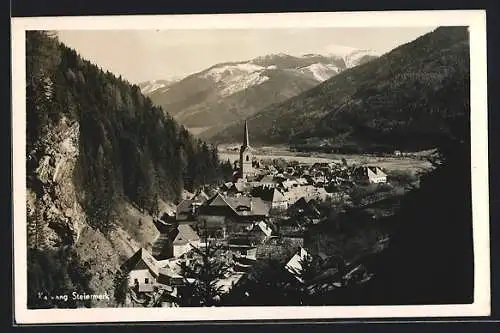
point(245, 156)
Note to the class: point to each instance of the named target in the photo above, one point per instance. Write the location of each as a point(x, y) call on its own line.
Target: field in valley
point(389, 163)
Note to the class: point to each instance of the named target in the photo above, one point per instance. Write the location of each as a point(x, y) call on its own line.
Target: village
point(238, 220)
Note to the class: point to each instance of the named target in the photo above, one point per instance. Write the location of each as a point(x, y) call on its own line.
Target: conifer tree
point(202, 274)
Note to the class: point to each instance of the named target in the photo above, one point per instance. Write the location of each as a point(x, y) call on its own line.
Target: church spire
point(245, 136)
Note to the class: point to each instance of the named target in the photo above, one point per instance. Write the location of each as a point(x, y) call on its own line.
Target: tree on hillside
point(120, 284)
point(128, 148)
point(268, 283)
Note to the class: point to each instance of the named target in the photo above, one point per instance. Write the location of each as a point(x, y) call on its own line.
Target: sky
point(143, 55)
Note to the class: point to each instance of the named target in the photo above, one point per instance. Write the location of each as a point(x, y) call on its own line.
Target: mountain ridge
point(408, 91)
point(230, 91)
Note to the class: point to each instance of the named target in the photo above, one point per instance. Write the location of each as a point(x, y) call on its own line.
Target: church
point(246, 168)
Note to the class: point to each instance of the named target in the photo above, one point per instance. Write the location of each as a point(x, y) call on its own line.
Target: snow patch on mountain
point(320, 71)
point(228, 72)
point(350, 55)
point(151, 86)
point(242, 82)
point(353, 59)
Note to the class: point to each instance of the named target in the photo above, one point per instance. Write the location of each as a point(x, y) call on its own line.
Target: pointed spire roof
point(246, 142)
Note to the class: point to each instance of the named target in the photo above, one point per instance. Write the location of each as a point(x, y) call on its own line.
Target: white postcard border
point(475, 19)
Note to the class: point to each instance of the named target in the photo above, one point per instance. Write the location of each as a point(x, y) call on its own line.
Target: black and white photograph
point(250, 166)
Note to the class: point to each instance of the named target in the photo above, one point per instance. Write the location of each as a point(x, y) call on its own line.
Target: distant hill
point(225, 93)
point(402, 100)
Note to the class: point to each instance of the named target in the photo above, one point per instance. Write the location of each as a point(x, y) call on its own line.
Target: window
point(146, 280)
point(248, 158)
point(136, 281)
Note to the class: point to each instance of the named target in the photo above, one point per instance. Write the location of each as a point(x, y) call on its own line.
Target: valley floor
point(415, 162)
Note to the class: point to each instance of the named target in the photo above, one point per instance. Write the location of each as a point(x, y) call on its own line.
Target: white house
point(370, 174)
point(184, 240)
point(143, 270)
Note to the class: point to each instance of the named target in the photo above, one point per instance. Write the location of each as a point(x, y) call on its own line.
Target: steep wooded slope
point(101, 159)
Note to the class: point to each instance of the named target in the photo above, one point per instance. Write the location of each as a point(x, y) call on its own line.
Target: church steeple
point(245, 155)
point(245, 136)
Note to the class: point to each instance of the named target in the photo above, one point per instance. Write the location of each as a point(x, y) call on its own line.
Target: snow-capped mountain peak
point(350, 55)
point(321, 72)
point(355, 57)
point(149, 87)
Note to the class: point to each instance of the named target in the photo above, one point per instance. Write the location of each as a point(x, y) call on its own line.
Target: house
point(369, 175)
point(143, 270)
point(231, 212)
point(186, 210)
point(268, 181)
point(176, 241)
point(239, 188)
point(294, 265)
point(163, 226)
point(273, 196)
point(167, 216)
point(260, 232)
point(200, 197)
point(288, 184)
point(304, 207)
point(162, 247)
point(226, 186)
point(263, 228)
point(184, 238)
point(171, 274)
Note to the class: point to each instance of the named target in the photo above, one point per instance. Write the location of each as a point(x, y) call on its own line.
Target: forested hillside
point(95, 142)
point(402, 100)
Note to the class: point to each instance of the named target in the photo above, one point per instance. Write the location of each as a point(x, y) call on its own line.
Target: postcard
point(241, 167)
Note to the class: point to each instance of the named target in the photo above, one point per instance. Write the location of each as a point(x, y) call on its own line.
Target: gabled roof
point(256, 206)
point(201, 197)
point(262, 226)
point(370, 171)
point(171, 268)
point(267, 179)
point(294, 265)
point(239, 186)
point(184, 234)
point(142, 259)
point(307, 205)
point(217, 200)
point(272, 195)
point(375, 171)
point(240, 205)
point(184, 207)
